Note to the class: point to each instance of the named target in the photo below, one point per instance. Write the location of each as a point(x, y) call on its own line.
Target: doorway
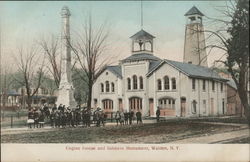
point(151, 106)
point(183, 106)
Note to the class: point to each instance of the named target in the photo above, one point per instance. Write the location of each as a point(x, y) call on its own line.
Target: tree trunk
point(242, 87)
point(89, 94)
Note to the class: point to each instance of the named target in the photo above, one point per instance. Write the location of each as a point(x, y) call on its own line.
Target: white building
point(144, 82)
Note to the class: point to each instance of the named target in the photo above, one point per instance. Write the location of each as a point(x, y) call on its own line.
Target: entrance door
point(212, 106)
point(120, 105)
point(183, 107)
point(151, 107)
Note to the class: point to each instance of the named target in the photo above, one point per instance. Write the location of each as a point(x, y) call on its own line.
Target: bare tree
point(50, 48)
point(31, 69)
point(233, 40)
point(89, 48)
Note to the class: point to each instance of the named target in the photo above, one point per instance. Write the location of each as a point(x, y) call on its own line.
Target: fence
point(13, 119)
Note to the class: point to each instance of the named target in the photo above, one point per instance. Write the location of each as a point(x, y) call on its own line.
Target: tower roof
point(142, 33)
point(194, 11)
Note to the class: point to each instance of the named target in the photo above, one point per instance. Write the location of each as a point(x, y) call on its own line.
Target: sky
point(25, 22)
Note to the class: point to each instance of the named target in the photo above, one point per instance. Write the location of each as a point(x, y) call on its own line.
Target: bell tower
point(142, 42)
point(194, 45)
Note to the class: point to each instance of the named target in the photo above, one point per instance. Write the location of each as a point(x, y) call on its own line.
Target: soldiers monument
point(66, 90)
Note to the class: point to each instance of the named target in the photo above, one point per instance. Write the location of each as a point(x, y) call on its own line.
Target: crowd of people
point(61, 116)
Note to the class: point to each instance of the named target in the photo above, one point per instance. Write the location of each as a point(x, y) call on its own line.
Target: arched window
point(135, 103)
point(129, 84)
point(102, 87)
point(107, 86)
point(141, 82)
point(166, 82)
point(194, 105)
point(173, 83)
point(107, 104)
point(112, 87)
point(159, 84)
point(134, 82)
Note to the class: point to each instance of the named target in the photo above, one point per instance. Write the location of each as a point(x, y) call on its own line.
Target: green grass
point(148, 133)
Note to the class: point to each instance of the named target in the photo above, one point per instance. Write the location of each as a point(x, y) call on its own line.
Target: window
point(223, 106)
point(141, 82)
point(129, 84)
point(213, 85)
point(134, 82)
point(159, 84)
point(193, 84)
point(135, 103)
point(107, 104)
point(102, 87)
point(167, 103)
point(173, 83)
point(204, 85)
point(166, 82)
point(221, 87)
point(107, 86)
point(194, 104)
point(204, 107)
point(113, 87)
point(95, 102)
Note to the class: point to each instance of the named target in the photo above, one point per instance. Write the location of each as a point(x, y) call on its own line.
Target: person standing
point(158, 114)
point(30, 120)
point(126, 115)
point(131, 116)
point(122, 118)
point(138, 117)
point(117, 117)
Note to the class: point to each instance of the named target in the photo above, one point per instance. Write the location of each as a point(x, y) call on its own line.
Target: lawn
point(163, 132)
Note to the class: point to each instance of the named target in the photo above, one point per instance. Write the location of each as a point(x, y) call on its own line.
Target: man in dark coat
point(131, 116)
point(60, 107)
point(138, 117)
point(126, 115)
point(158, 114)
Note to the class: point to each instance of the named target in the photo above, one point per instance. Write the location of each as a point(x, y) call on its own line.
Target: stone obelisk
point(66, 90)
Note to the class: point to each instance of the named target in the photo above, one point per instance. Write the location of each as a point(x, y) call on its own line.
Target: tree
point(31, 69)
point(234, 41)
point(81, 89)
point(89, 49)
point(50, 48)
point(238, 52)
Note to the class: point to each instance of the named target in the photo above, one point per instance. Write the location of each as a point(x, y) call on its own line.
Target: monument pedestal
point(66, 95)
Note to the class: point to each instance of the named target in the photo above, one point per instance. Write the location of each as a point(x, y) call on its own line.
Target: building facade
point(15, 99)
point(143, 82)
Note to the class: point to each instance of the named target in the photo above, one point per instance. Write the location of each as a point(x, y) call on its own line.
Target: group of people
point(125, 118)
point(61, 116)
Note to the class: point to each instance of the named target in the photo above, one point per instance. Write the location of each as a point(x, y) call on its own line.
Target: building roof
point(194, 11)
point(231, 83)
point(141, 56)
point(116, 70)
point(13, 93)
point(191, 70)
point(153, 65)
point(142, 33)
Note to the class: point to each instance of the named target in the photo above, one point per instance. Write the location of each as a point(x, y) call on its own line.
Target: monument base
point(66, 96)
